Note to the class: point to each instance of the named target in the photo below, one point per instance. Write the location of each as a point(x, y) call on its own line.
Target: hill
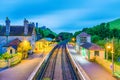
point(103, 31)
point(115, 24)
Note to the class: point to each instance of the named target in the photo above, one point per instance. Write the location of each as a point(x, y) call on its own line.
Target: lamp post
point(108, 47)
point(112, 57)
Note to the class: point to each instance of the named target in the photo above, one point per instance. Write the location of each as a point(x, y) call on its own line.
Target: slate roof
point(14, 43)
point(91, 46)
point(16, 31)
point(83, 34)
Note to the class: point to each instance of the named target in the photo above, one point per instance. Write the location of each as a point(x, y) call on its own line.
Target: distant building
point(87, 49)
point(83, 37)
point(42, 44)
point(10, 32)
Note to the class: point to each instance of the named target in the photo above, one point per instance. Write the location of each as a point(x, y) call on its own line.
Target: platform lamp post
point(108, 47)
point(112, 51)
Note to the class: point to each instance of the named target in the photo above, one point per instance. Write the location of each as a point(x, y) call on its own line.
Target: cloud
point(60, 15)
point(57, 18)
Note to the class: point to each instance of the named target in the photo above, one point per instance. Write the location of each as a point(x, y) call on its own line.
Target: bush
point(7, 56)
point(1, 57)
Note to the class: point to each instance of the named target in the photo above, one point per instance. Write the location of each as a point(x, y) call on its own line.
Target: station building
point(86, 48)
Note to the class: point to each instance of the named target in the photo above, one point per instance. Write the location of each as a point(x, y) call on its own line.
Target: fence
point(10, 62)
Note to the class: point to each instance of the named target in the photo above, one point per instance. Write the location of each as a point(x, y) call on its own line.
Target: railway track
point(68, 72)
point(48, 71)
point(58, 66)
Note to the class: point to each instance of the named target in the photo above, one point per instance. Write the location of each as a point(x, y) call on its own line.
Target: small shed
point(91, 50)
point(12, 46)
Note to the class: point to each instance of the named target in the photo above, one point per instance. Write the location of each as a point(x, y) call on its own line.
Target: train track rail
point(58, 66)
point(48, 71)
point(68, 72)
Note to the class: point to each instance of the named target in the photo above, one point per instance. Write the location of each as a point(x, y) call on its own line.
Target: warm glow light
point(73, 39)
point(25, 41)
point(108, 46)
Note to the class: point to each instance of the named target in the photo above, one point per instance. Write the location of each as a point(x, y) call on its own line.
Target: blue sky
point(60, 15)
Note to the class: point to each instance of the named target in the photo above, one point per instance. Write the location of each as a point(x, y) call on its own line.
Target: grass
point(117, 74)
point(117, 63)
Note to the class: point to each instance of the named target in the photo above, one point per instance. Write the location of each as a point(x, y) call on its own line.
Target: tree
point(46, 32)
point(115, 33)
point(64, 36)
point(95, 38)
point(24, 47)
point(76, 33)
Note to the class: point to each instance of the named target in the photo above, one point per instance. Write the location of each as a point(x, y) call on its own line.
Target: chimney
point(25, 27)
point(7, 22)
point(36, 24)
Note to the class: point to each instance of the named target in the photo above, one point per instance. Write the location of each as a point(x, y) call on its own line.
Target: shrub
point(7, 56)
point(1, 57)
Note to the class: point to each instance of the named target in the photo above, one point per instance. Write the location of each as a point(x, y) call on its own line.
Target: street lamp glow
point(73, 39)
point(108, 46)
point(25, 41)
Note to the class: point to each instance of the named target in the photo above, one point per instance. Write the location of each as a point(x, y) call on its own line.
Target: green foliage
point(46, 33)
point(116, 49)
point(95, 38)
point(102, 30)
point(46, 79)
point(1, 57)
point(7, 55)
point(64, 35)
point(102, 43)
point(115, 24)
point(76, 33)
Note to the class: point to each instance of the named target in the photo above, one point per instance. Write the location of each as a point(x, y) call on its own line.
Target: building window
point(83, 39)
point(11, 51)
point(96, 53)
